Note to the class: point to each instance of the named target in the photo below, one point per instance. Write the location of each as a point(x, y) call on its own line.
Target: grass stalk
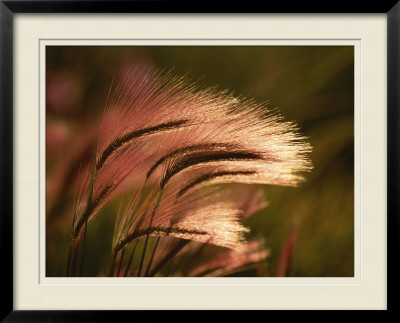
point(130, 259)
point(120, 262)
point(82, 250)
point(168, 257)
point(75, 258)
point(152, 256)
point(89, 206)
point(148, 234)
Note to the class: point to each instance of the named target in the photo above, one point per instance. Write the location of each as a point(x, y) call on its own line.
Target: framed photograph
point(160, 158)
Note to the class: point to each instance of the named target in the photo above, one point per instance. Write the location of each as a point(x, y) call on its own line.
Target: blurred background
point(309, 230)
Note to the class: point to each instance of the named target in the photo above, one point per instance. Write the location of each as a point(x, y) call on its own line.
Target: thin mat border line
point(356, 42)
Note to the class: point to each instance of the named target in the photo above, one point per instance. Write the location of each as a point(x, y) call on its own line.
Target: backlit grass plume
point(170, 142)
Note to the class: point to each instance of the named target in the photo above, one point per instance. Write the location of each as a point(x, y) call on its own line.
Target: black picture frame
point(7, 11)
